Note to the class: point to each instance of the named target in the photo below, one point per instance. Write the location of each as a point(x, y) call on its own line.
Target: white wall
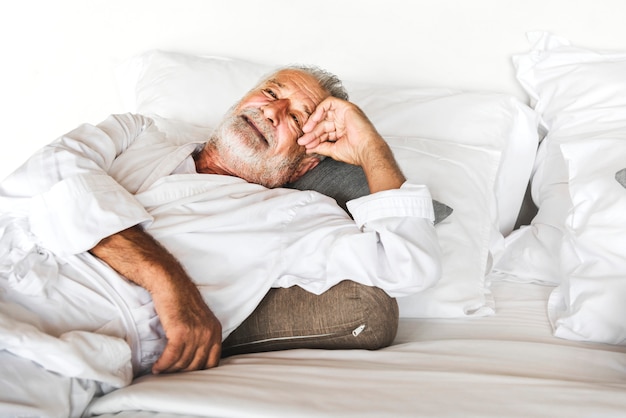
point(59, 56)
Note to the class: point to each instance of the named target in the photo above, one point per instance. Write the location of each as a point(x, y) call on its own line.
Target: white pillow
point(200, 89)
point(579, 93)
point(590, 303)
point(193, 89)
point(496, 129)
point(463, 176)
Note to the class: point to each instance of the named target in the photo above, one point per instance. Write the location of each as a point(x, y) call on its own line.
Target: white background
point(59, 57)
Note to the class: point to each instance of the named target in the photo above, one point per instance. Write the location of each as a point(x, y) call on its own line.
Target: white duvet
point(83, 364)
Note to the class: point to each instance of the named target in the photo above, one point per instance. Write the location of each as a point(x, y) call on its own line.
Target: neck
point(207, 164)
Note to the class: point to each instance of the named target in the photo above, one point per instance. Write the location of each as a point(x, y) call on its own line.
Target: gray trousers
point(347, 316)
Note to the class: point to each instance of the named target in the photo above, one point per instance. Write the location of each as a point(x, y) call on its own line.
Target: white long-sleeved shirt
point(235, 239)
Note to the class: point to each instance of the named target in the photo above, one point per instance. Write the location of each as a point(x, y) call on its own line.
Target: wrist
point(381, 169)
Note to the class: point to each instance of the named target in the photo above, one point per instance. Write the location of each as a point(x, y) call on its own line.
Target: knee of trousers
point(348, 316)
point(381, 317)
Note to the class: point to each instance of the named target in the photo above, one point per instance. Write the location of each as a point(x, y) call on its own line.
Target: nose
point(275, 110)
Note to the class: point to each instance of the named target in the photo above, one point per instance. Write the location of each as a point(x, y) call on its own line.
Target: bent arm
point(73, 202)
point(194, 334)
point(397, 247)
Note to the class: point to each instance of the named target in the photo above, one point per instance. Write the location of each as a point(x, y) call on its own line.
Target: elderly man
point(121, 229)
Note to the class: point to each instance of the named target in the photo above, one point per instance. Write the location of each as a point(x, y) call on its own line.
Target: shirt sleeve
point(392, 244)
point(65, 189)
point(410, 200)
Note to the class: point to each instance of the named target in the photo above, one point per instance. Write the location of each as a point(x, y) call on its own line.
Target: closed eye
point(271, 93)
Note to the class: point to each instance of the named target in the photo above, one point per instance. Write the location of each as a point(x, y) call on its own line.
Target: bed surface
point(498, 366)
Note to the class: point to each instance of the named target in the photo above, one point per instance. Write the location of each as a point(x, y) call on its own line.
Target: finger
point(214, 355)
point(200, 359)
point(206, 357)
point(323, 148)
point(316, 143)
point(185, 360)
point(319, 129)
point(320, 133)
point(306, 139)
point(319, 114)
point(170, 356)
point(191, 359)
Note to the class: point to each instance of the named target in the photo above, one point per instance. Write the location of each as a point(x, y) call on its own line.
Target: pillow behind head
point(344, 182)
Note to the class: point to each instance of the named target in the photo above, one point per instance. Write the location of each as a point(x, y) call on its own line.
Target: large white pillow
point(579, 94)
point(590, 303)
point(463, 176)
point(189, 88)
point(482, 146)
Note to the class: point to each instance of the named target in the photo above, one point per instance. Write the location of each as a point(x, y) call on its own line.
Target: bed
point(503, 365)
point(520, 130)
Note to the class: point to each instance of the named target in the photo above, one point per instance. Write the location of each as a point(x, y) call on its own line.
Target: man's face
point(257, 140)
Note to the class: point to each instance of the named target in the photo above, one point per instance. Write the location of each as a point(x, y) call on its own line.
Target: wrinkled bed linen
point(506, 365)
point(44, 375)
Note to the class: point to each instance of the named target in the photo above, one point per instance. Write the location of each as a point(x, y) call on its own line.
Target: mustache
point(256, 118)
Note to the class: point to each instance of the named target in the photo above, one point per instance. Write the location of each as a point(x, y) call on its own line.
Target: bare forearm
point(194, 334)
point(137, 256)
point(381, 169)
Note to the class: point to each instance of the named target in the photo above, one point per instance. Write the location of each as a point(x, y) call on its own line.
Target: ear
point(308, 163)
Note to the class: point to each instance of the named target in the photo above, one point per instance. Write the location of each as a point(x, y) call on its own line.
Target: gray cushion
point(344, 182)
point(349, 315)
point(620, 176)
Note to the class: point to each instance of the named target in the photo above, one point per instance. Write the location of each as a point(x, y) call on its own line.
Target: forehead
point(298, 85)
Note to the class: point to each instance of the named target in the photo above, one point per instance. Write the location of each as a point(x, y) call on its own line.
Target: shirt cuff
point(410, 200)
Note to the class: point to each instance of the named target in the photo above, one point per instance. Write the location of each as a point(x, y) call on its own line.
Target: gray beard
point(238, 149)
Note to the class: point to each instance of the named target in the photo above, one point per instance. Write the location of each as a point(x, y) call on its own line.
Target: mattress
point(505, 365)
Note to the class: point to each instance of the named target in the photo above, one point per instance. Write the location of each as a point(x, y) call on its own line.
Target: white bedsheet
point(499, 366)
